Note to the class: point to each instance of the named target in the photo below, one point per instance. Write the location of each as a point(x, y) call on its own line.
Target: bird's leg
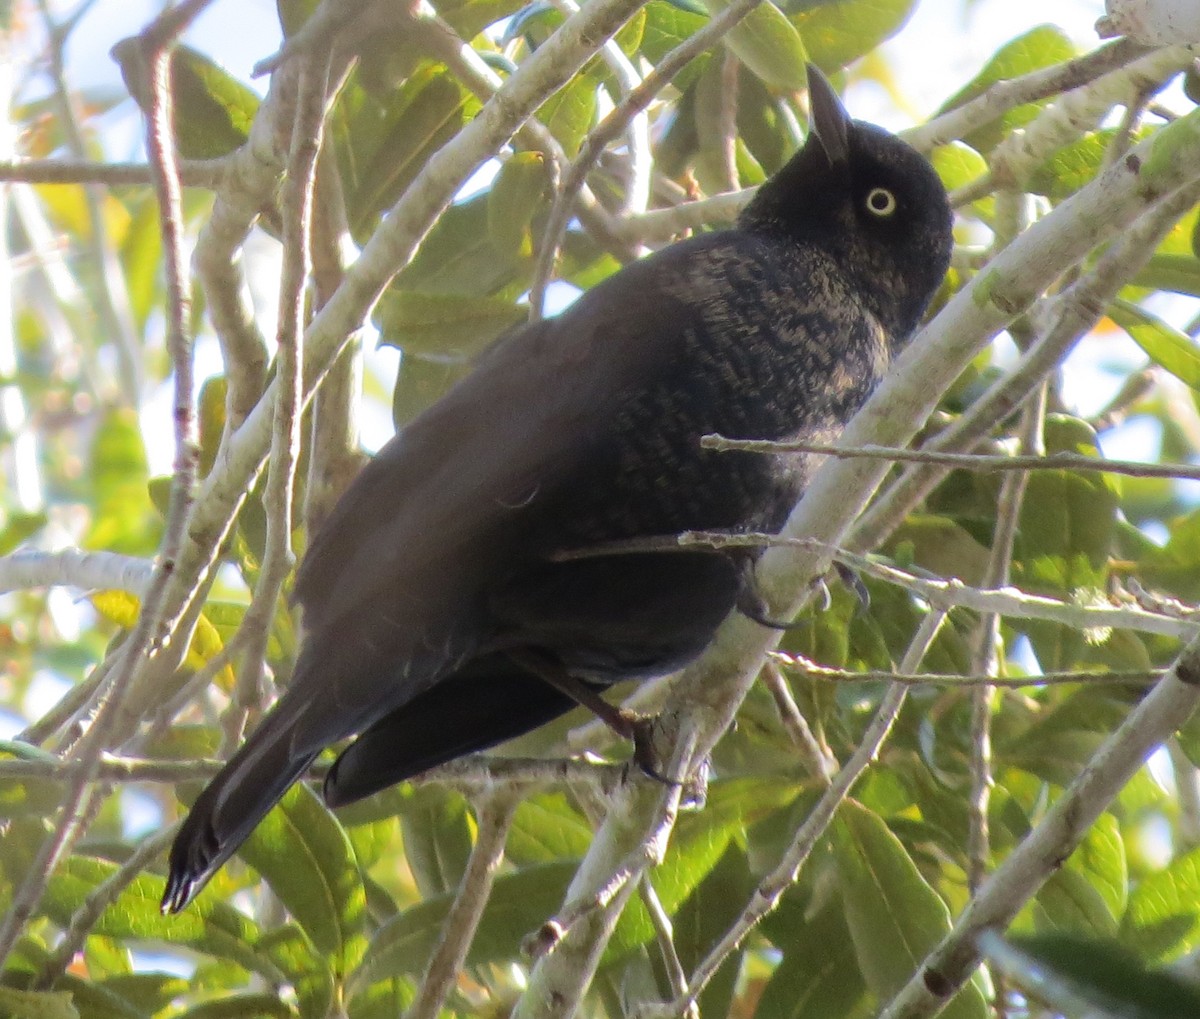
point(629, 725)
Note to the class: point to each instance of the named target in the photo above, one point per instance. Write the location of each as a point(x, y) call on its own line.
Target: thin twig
point(727, 129)
point(570, 945)
point(73, 567)
point(819, 759)
point(1077, 111)
point(469, 67)
point(70, 705)
point(476, 774)
point(1070, 315)
point(963, 461)
point(664, 935)
point(445, 965)
point(1187, 795)
point(770, 890)
point(142, 642)
point(97, 901)
point(1012, 216)
point(334, 457)
point(278, 558)
point(630, 106)
point(1132, 677)
point(1043, 851)
point(1002, 96)
point(637, 189)
point(203, 173)
point(319, 31)
point(1007, 601)
point(113, 304)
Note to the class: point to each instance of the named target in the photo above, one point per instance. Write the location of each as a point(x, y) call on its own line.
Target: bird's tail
point(232, 805)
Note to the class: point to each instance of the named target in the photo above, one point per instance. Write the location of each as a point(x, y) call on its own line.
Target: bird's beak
point(828, 119)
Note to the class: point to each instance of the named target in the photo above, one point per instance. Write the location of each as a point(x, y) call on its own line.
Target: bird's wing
point(466, 467)
point(490, 701)
point(395, 575)
point(388, 584)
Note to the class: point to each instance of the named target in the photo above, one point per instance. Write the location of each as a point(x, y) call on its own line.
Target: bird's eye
point(881, 202)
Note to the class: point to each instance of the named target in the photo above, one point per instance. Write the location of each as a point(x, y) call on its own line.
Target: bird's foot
point(753, 606)
point(640, 732)
point(854, 583)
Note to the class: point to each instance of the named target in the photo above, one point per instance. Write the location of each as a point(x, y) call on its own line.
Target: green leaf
point(149, 992)
point(895, 918)
point(942, 546)
point(1061, 738)
point(443, 325)
point(422, 381)
point(519, 904)
point(667, 25)
point(699, 841)
point(704, 917)
point(37, 1004)
point(1087, 895)
point(304, 855)
point(470, 17)
point(211, 411)
point(240, 1006)
point(141, 259)
point(1040, 47)
point(213, 110)
point(1162, 922)
point(437, 828)
point(841, 31)
point(125, 519)
point(1079, 974)
point(546, 828)
point(571, 111)
point(458, 257)
point(304, 967)
point(19, 528)
point(208, 925)
point(1071, 167)
point(1178, 273)
point(517, 194)
point(1068, 518)
point(767, 43)
point(957, 164)
point(426, 112)
point(807, 984)
point(1175, 567)
point(26, 797)
point(760, 125)
point(1165, 345)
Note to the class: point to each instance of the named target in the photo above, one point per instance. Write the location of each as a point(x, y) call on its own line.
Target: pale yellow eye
point(881, 202)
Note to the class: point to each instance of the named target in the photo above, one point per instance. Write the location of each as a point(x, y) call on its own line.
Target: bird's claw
point(640, 732)
point(853, 583)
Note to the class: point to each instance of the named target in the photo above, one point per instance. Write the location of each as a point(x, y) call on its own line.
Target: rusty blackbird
point(439, 618)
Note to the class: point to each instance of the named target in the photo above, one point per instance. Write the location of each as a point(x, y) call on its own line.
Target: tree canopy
point(973, 788)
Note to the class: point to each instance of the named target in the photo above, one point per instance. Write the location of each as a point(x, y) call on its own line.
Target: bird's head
point(867, 199)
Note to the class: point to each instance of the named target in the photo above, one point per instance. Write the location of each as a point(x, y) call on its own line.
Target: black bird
point(439, 618)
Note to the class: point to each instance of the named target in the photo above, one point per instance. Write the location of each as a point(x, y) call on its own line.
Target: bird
point(443, 610)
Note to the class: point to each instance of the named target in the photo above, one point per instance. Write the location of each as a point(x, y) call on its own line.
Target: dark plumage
point(433, 587)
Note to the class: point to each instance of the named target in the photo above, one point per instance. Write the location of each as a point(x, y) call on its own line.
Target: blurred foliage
point(337, 915)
